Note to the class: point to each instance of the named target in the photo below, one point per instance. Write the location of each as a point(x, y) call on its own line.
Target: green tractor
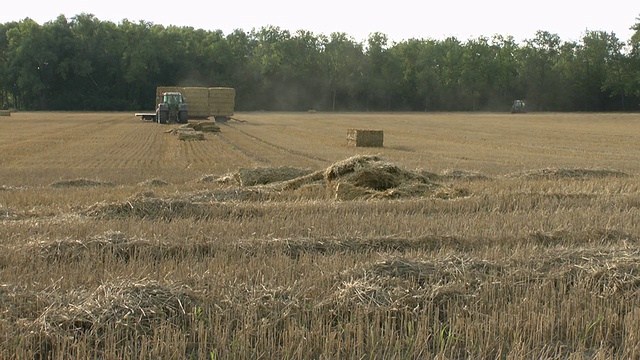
point(518, 107)
point(172, 109)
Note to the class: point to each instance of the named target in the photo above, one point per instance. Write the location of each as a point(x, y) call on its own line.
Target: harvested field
point(465, 236)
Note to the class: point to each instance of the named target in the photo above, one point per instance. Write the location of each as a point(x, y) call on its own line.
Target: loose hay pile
point(204, 126)
point(137, 306)
point(154, 182)
point(110, 244)
point(368, 176)
point(358, 177)
point(262, 176)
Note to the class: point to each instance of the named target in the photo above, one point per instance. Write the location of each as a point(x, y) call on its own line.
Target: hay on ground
point(206, 127)
point(463, 175)
point(127, 304)
point(79, 183)
point(263, 176)
point(154, 182)
point(309, 179)
point(567, 173)
point(370, 177)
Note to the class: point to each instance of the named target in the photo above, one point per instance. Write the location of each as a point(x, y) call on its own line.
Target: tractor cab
point(172, 98)
point(518, 107)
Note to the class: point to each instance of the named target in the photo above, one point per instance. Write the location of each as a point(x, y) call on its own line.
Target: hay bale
point(221, 101)
point(190, 135)
point(206, 127)
point(5, 112)
point(198, 100)
point(365, 138)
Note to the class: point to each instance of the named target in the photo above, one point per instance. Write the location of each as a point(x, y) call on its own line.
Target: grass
point(537, 259)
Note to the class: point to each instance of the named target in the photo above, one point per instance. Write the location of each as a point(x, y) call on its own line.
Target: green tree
point(538, 71)
point(383, 73)
point(28, 58)
point(343, 59)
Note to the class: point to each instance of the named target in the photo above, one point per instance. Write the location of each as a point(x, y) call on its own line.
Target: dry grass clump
point(132, 306)
point(411, 285)
point(154, 182)
point(110, 244)
point(198, 206)
point(7, 214)
point(296, 247)
point(370, 177)
point(149, 207)
point(567, 173)
point(360, 177)
point(79, 183)
point(263, 176)
point(284, 176)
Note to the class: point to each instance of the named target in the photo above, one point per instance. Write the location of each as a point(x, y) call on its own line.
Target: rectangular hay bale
point(365, 137)
point(190, 135)
point(5, 112)
point(221, 101)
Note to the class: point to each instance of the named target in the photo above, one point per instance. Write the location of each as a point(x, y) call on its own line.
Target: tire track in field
point(276, 146)
point(250, 155)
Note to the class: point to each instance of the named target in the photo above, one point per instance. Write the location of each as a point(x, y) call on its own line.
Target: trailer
point(204, 102)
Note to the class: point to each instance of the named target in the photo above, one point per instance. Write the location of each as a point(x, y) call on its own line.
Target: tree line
point(83, 63)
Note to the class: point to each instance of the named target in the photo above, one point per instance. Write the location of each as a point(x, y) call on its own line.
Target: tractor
point(518, 107)
point(172, 109)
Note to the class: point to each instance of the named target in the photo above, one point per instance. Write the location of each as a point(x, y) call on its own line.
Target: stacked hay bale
point(365, 137)
point(221, 102)
point(198, 100)
point(5, 112)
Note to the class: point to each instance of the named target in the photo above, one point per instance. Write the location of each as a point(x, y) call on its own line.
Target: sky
point(398, 19)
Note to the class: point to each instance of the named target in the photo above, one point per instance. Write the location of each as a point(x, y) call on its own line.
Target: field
point(473, 235)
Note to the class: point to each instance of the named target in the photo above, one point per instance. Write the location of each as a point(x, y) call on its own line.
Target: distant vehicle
point(172, 108)
point(518, 107)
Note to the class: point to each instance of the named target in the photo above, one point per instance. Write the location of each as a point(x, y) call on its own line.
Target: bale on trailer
point(198, 100)
point(365, 137)
point(221, 102)
point(5, 112)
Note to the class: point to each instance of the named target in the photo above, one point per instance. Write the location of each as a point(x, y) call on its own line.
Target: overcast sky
point(398, 19)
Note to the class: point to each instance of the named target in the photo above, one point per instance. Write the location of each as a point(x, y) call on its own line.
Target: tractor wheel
point(163, 117)
point(183, 117)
